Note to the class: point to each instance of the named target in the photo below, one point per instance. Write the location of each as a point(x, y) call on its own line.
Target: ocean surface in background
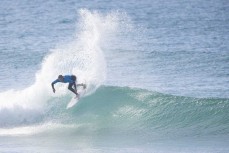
point(157, 75)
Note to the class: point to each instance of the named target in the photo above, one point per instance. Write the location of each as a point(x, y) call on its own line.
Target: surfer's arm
point(84, 85)
point(54, 82)
point(81, 84)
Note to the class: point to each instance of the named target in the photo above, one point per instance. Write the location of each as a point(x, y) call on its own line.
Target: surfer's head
point(61, 78)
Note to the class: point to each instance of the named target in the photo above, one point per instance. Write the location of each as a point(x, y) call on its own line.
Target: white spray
point(82, 57)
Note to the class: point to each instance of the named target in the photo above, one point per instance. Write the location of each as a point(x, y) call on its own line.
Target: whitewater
point(156, 80)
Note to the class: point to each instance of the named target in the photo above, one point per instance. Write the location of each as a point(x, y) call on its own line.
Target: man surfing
point(71, 79)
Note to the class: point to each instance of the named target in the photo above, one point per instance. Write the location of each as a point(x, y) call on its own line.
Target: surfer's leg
point(71, 89)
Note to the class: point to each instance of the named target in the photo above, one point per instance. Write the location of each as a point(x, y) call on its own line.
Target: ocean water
point(157, 75)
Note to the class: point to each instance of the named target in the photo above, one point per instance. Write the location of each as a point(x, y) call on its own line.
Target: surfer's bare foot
point(77, 96)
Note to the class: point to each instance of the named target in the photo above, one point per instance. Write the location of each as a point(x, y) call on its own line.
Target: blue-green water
point(157, 76)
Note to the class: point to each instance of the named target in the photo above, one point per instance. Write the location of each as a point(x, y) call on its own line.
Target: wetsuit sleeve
point(54, 82)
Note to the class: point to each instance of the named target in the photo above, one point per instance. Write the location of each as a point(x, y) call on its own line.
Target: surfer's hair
point(60, 76)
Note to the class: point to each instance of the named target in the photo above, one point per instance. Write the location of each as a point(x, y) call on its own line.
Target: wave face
point(122, 111)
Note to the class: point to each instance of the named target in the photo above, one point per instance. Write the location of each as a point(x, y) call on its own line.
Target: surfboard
point(72, 102)
point(75, 99)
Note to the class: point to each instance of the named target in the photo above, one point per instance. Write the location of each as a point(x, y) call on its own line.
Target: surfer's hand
point(54, 90)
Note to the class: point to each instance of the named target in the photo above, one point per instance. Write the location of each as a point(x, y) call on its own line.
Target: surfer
point(71, 79)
